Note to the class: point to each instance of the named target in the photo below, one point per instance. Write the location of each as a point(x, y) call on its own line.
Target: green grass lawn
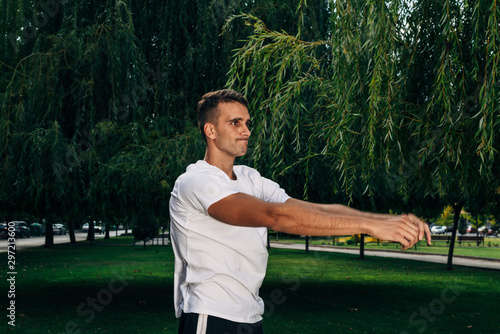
point(113, 287)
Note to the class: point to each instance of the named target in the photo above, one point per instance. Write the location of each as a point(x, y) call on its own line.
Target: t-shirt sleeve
point(200, 191)
point(272, 192)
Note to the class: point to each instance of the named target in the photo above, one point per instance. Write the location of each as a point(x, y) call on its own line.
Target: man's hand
point(405, 229)
point(422, 227)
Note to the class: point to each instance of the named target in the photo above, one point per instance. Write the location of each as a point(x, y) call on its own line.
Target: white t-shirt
point(219, 268)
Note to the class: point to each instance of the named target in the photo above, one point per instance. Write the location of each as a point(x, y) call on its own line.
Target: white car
point(59, 229)
point(97, 228)
point(438, 229)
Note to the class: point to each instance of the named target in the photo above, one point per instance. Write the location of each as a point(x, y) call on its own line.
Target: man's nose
point(246, 131)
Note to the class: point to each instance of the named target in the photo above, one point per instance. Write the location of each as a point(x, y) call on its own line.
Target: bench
point(446, 238)
point(478, 239)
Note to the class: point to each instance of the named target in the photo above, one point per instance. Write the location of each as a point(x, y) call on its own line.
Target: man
point(219, 219)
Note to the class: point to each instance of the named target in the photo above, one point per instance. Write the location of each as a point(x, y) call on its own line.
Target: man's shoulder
point(247, 171)
point(201, 183)
point(198, 172)
point(198, 167)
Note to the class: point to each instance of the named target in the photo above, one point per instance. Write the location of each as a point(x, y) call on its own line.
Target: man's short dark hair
point(207, 107)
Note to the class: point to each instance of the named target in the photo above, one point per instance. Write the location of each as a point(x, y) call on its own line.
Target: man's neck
point(225, 164)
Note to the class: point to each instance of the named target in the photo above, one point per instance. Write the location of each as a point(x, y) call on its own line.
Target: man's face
point(231, 132)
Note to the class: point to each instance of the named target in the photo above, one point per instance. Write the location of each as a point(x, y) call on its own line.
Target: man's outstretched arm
point(303, 218)
point(342, 210)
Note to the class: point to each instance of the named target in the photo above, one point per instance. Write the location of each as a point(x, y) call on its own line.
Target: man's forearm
point(296, 218)
point(342, 210)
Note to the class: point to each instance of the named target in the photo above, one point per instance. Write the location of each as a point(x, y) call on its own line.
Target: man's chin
point(242, 153)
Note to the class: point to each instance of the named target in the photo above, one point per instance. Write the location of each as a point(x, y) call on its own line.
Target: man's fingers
point(402, 229)
point(406, 243)
point(423, 229)
point(414, 230)
point(411, 230)
point(407, 238)
point(428, 235)
point(405, 229)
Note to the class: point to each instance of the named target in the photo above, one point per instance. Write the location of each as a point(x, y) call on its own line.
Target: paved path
point(36, 241)
point(457, 260)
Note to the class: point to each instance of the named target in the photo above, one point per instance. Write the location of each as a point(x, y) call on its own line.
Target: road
point(35, 241)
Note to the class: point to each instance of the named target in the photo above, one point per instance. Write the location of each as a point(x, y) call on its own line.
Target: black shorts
point(193, 323)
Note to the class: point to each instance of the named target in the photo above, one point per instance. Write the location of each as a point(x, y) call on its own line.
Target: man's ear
point(209, 130)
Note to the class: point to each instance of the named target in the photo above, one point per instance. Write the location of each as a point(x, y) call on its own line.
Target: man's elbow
point(277, 219)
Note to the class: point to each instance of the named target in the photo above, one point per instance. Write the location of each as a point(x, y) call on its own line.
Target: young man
point(219, 219)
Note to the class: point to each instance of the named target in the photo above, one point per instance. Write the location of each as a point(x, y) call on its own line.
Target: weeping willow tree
point(82, 109)
point(397, 100)
point(66, 81)
point(386, 105)
point(98, 100)
point(396, 106)
point(320, 105)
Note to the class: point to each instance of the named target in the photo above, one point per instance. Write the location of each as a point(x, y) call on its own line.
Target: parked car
point(21, 228)
point(59, 229)
point(471, 229)
point(438, 229)
point(485, 230)
point(85, 227)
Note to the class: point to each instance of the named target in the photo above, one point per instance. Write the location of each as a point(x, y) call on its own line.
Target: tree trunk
point(71, 227)
point(91, 234)
point(106, 236)
point(458, 209)
point(49, 235)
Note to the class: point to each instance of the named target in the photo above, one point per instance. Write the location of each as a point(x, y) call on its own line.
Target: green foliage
point(396, 103)
point(475, 221)
point(383, 105)
point(462, 225)
point(98, 98)
point(446, 217)
point(145, 226)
